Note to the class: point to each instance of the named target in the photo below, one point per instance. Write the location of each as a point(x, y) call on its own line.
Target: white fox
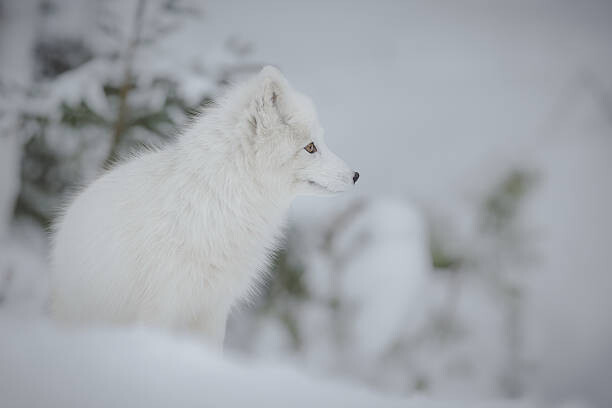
point(174, 237)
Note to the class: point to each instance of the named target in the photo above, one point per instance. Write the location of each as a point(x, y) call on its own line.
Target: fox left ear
point(268, 105)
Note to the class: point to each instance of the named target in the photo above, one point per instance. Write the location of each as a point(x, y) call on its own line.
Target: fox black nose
point(355, 177)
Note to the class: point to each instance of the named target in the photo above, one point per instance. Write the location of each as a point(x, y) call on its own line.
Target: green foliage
point(441, 258)
point(47, 172)
point(81, 115)
point(286, 281)
point(502, 205)
point(286, 289)
point(288, 277)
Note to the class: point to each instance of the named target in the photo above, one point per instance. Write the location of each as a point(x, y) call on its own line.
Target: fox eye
point(310, 148)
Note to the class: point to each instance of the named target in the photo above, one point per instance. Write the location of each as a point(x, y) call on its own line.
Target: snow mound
point(387, 273)
point(46, 366)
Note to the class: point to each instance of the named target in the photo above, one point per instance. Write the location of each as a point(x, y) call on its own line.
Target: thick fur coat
point(174, 237)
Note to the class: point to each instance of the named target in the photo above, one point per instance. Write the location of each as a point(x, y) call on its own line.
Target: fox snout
point(355, 177)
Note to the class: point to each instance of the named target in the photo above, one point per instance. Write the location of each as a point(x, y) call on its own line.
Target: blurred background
point(472, 260)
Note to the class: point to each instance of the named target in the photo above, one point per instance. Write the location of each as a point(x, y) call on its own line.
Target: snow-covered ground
point(43, 366)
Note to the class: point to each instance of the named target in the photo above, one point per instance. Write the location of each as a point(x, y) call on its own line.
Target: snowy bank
point(45, 366)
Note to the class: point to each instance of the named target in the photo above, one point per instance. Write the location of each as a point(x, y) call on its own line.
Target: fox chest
point(219, 261)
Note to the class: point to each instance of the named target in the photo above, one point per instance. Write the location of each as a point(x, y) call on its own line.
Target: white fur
point(174, 237)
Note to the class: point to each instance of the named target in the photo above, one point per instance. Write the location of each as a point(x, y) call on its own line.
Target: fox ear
point(267, 107)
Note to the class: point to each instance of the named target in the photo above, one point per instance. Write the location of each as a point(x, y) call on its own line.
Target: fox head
point(285, 139)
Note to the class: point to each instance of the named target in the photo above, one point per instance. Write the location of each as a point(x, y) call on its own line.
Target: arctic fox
point(174, 237)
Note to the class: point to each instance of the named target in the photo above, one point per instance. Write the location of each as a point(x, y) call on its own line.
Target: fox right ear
point(267, 107)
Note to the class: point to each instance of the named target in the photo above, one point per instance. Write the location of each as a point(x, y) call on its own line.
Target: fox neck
point(234, 208)
point(222, 166)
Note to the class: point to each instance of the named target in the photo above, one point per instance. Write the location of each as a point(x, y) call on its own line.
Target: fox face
point(288, 140)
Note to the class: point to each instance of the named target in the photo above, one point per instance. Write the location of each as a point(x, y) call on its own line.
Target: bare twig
point(126, 86)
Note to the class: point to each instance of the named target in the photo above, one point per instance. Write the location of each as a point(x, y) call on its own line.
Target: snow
point(387, 278)
point(43, 366)
point(396, 324)
point(46, 366)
